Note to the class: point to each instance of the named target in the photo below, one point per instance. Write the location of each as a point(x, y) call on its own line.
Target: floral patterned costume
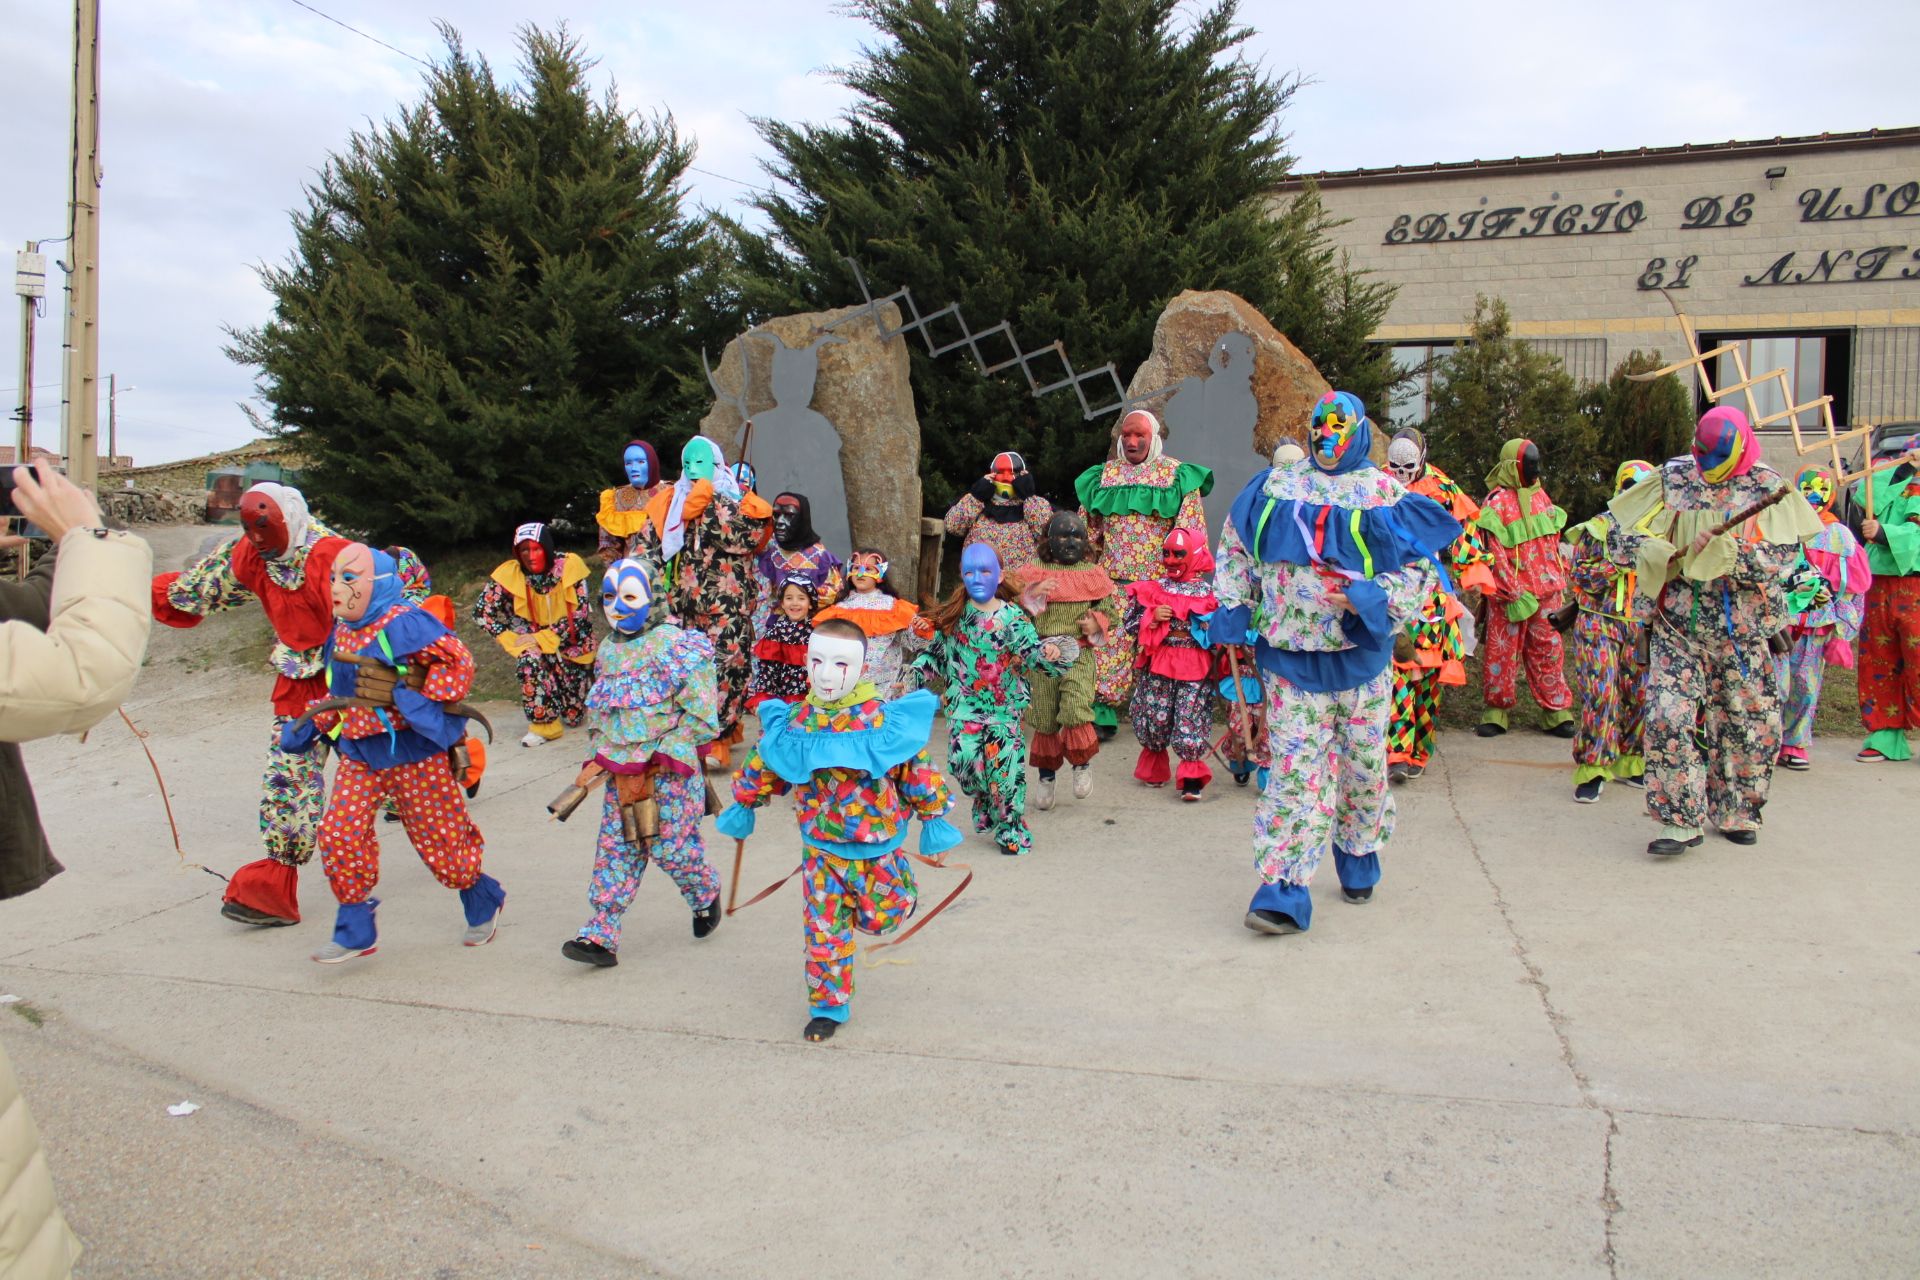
point(554, 609)
point(1609, 679)
point(1173, 690)
point(858, 771)
point(1523, 526)
point(1823, 631)
point(984, 664)
point(1713, 696)
point(1439, 645)
point(1130, 508)
point(1013, 528)
point(1326, 672)
point(780, 660)
point(1889, 664)
point(653, 704)
point(620, 518)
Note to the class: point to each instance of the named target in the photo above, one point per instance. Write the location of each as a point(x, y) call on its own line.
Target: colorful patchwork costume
point(284, 559)
point(858, 769)
point(1713, 697)
point(1067, 597)
point(1889, 661)
point(396, 750)
point(1002, 511)
point(1131, 502)
point(654, 702)
point(1523, 527)
point(1320, 567)
point(1441, 638)
point(983, 653)
point(1609, 679)
point(1825, 629)
point(1174, 688)
point(535, 605)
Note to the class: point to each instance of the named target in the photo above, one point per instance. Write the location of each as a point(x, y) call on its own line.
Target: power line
point(357, 31)
point(751, 186)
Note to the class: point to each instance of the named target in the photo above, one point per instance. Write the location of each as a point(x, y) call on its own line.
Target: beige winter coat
point(64, 678)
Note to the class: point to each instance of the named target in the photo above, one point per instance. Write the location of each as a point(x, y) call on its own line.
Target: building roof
point(1600, 159)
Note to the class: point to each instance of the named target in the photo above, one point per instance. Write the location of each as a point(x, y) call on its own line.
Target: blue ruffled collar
point(891, 734)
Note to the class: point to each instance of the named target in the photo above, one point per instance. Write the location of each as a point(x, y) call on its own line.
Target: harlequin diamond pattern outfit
point(1523, 527)
point(1439, 645)
point(858, 771)
point(653, 704)
point(1889, 660)
point(984, 664)
point(1713, 696)
point(1130, 508)
point(1294, 534)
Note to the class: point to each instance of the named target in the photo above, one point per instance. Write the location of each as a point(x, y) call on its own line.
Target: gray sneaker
point(1043, 794)
point(1082, 781)
point(334, 953)
point(479, 935)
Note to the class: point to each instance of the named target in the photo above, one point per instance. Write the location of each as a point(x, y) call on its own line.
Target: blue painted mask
point(980, 572)
point(626, 596)
point(638, 467)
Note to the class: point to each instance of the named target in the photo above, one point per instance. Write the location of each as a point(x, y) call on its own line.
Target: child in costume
point(535, 606)
point(1173, 692)
point(796, 551)
point(780, 654)
point(1609, 679)
point(1439, 641)
point(1823, 631)
point(1067, 597)
point(874, 605)
point(858, 768)
point(1523, 526)
point(983, 650)
point(1321, 566)
point(396, 676)
point(654, 701)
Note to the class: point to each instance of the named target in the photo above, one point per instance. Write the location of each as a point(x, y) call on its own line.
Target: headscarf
point(674, 535)
point(1724, 445)
point(803, 534)
point(293, 509)
point(1198, 562)
point(1631, 472)
point(1817, 483)
point(653, 461)
point(1506, 474)
point(1155, 445)
point(387, 591)
point(1409, 436)
point(1341, 434)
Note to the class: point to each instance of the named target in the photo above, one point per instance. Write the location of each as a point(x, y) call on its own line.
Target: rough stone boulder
point(811, 389)
point(1235, 387)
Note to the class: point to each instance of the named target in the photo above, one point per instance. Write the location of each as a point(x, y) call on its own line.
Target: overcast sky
point(216, 112)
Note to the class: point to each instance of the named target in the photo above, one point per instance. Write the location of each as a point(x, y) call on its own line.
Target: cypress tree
point(487, 296)
point(1069, 165)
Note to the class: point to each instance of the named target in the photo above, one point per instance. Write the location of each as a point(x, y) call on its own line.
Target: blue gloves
point(937, 835)
point(736, 821)
point(297, 736)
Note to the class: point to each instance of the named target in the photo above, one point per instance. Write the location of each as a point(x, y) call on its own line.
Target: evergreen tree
point(1652, 421)
point(1068, 165)
point(487, 297)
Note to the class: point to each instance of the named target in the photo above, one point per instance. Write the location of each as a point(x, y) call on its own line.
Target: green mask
point(697, 459)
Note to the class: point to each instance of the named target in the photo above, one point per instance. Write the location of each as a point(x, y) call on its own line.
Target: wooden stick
point(733, 890)
point(1239, 696)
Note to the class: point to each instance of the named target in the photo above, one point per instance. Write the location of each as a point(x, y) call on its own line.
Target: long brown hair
point(945, 616)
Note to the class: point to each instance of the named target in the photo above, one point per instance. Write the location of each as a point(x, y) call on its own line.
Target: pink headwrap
point(1724, 445)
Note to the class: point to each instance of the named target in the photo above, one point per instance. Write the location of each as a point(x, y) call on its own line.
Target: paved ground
point(1536, 1052)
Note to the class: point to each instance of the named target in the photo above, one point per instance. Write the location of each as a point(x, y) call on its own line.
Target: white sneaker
point(1082, 781)
point(334, 953)
point(1043, 794)
point(533, 740)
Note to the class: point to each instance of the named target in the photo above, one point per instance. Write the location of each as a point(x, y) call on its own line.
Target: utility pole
point(113, 435)
point(81, 395)
point(30, 282)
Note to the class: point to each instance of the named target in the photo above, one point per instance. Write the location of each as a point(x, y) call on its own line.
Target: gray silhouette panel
point(1210, 421)
point(795, 448)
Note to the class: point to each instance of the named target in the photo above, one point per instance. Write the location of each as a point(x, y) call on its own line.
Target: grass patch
point(33, 1013)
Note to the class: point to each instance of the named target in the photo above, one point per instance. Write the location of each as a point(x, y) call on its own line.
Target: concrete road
point(1537, 1052)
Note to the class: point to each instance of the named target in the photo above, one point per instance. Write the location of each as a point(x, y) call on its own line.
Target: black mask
point(793, 522)
point(1066, 539)
point(1529, 461)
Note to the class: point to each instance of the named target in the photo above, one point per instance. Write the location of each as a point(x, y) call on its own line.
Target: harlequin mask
point(835, 664)
point(697, 459)
point(745, 476)
point(1723, 445)
point(1138, 432)
point(1006, 468)
point(867, 570)
point(263, 524)
point(363, 586)
point(1066, 538)
point(980, 572)
point(529, 548)
point(1816, 486)
point(1631, 473)
point(626, 597)
point(638, 464)
point(1337, 425)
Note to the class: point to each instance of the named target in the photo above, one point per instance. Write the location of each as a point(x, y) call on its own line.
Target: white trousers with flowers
point(1328, 784)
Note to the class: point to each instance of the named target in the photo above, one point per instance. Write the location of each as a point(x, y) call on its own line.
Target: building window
point(1417, 366)
point(1817, 363)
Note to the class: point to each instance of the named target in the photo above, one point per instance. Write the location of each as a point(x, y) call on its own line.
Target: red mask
point(263, 524)
point(1183, 556)
point(1003, 470)
point(1136, 436)
point(532, 557)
